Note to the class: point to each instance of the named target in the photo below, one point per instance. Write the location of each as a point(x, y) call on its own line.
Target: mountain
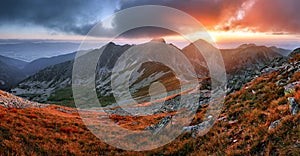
point(39, 86)
point(13, 62)
point(247, 56)
point(10, 76)
point(53, 78)
point(236, 60)
point(242, 65)
point(196, 58)
point(53, 82)
point(39, 64)
point(261, 118)
point(283, 52)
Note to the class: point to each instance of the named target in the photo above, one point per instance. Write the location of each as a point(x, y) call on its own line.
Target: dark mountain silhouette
point(39, 64)
point(10, 76)
point(13, 62)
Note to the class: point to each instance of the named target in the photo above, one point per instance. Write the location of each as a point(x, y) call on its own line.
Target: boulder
point(274, 124)
point(293, 106)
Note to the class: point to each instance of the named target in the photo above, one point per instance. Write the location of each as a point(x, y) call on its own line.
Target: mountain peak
point(243, 46)
point(199, 42)
point(294, 52)
point(161, 40)
point(111, 43)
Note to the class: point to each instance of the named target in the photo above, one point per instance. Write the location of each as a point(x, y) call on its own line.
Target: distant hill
point(247, 56)
point(13, 62)
point(281, 51)
point(39, 64)
point(10, 76)
point(58, 76)
point(237, 60)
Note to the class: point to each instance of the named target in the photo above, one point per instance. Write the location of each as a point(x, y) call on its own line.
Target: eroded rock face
point(293, 106)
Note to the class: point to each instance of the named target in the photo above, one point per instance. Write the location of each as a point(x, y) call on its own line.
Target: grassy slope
point(48, 131)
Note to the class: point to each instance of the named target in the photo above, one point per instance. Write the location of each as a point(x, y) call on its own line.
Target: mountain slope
point(236, 60)
point(39, 64)
point(10, 76)
point(255, 120)
point(247, 56)
point(13, 62)
point(242, 65)
point(41, 85)
point(281, 51)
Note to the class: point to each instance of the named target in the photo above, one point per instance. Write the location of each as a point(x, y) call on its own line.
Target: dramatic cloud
point(208, 12)
point(273, 15)
point(79, 16)
point(256, 15)
point(75, 16)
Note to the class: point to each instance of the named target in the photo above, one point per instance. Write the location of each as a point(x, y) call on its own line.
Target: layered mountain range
point(261, 118)
point(43, 78)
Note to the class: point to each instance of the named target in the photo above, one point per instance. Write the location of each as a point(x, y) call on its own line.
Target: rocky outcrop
point(293, 106)
point(10, 101)
point(274, 124)
point(197, 129)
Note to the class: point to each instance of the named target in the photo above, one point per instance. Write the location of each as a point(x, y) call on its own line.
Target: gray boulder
point(293, 106)
point(274, 124)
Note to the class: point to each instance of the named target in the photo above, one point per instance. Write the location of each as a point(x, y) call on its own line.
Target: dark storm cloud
point(208, 12)
point(75, 16)
point(79, 16)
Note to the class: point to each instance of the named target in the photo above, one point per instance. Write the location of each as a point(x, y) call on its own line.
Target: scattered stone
point(162, 123)
point(290, 88)
point(10, 101)
point(274, 124)
point(293, 106)
point(197, 129)
point(222, 118)
point(233, 122)
point(66, 111)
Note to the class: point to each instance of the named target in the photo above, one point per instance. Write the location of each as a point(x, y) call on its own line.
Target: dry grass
point(244, 130)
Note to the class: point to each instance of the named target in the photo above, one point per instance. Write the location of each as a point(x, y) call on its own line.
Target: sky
point(230, 23)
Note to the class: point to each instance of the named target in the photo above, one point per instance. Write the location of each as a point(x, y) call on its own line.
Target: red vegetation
point(33, 116)
point(242, 130)
point(68, 130)
point(13, 110)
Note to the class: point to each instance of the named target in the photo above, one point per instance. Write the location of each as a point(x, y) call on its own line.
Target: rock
point(293, 106)
point(222, 118)
point(10, 101)
point(274, 124)
point(197, 129)
point(66, 111)
point(233, 122)
point(159, 126)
